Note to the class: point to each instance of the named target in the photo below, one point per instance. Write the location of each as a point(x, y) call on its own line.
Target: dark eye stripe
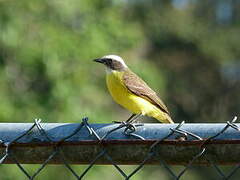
point(108, 59)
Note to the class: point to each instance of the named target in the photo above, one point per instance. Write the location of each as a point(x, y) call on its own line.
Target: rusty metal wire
point(130, 131)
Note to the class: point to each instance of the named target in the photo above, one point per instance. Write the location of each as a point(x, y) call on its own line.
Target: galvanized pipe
point(177, 146)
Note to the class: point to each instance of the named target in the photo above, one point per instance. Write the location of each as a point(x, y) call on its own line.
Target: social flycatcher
point(130, 91)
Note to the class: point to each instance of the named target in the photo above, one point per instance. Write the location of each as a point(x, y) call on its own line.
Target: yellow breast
point(124, 97)
point(132, 102)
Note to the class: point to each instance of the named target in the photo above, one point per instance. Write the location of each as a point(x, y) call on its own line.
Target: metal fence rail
point(117, 144)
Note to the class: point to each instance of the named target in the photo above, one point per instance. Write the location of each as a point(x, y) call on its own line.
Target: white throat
point(108, 70)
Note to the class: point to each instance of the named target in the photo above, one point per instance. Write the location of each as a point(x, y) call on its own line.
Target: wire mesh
point(130, 131)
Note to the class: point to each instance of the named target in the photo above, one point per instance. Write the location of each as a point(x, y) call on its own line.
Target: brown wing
point(137, 86)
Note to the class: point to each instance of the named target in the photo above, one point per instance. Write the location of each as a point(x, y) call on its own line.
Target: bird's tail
point(164, 118)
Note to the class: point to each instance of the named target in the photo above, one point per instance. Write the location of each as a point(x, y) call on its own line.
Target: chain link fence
point(121, 144)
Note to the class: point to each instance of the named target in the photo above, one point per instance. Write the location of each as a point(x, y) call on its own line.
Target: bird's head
point(112, 62)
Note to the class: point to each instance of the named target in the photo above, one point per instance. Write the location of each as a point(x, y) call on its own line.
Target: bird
point(131, 92)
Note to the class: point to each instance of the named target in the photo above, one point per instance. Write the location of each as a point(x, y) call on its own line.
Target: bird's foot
point(126, 124)
point(117, 122)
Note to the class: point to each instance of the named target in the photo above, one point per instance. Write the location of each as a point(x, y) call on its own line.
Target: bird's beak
point(99, 60)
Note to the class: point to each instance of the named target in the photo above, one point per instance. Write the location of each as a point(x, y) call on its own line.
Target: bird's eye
point(109, 62)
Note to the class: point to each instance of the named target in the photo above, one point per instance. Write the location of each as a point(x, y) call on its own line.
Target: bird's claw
point(117, 122)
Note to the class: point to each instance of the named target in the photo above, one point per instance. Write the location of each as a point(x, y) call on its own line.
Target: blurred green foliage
point(188, 51)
